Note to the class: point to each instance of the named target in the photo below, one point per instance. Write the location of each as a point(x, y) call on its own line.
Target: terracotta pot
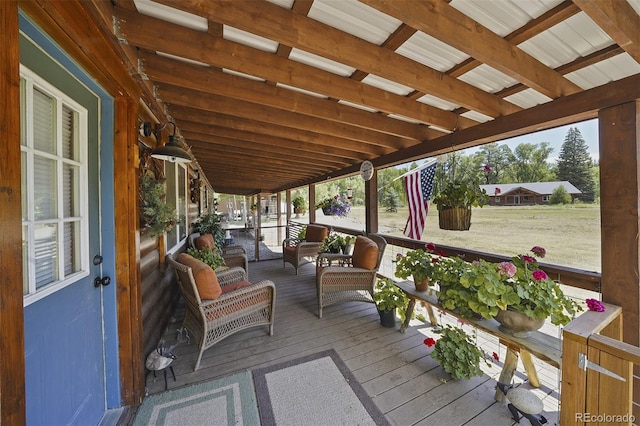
point(518, 324)
point(422, 285)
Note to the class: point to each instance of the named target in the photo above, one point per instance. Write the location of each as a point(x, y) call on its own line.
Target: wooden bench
point(543, 346)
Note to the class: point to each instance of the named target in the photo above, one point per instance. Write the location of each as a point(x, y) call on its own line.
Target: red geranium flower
point(495, 356)
point(528, 259)
point(539, 275)
point(429, 341)
point(539, 251)
point(430, 246)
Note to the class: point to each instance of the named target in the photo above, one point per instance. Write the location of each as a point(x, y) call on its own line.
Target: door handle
point(98, 281)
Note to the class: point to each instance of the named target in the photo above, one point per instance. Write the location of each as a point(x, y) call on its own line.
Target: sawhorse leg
point(509, 369)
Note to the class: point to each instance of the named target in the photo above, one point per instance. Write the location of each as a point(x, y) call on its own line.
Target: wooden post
point(371, 203)
point(12, 380)
point(619, 129)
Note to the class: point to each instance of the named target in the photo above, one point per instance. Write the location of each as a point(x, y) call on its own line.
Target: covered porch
point(395, 369)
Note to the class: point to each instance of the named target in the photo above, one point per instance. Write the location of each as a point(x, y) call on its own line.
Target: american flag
point(418, 186)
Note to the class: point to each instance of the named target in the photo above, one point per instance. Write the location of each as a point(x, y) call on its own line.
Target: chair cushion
point(205, 241)
point(206, 279)
point(365, 253)
point(316, 233)
point(235, 286)
point(291, 250)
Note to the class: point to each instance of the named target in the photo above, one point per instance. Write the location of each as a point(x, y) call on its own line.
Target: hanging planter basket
point(455, 218)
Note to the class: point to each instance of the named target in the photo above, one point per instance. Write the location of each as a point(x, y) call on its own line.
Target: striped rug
point(226, 401)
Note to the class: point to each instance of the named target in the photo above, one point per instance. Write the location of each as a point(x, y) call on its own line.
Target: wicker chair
point(340, 277)
point(234, 255)
point(210, 321)
point(295, 250)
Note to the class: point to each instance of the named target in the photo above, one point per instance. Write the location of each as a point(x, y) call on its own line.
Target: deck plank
point(395, 369)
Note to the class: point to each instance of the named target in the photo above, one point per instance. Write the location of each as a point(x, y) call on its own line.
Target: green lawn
point(570, 234)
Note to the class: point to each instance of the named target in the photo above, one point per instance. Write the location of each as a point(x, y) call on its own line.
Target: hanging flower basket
point(454, 218)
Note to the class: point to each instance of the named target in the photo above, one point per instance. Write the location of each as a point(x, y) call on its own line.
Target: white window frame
point(31, 82)
point(176, 169)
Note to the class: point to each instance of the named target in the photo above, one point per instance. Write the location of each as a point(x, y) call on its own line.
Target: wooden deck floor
point(394, 368)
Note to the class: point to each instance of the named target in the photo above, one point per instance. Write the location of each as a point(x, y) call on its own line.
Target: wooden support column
point(127, 229)
point(312, 203)
point(12, 386)
point(371, 202)
point(619, 129)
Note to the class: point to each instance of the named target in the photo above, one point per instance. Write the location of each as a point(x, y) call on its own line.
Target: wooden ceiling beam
point(150, 33)
point(250, 141)
point(618, 19)
point(456, 29)
point(172, 95)
point(534, 27)
point(235, 146)
point(279, 24)
point(208, 80)
point(334, 146)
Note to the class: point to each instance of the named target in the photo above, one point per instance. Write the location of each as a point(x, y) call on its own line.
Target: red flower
point(595, 305)
point(441, 253)
point(495, 356)
point(430, 246)
point(528, 259)
point(539, 275)
point(539, 251)
point(429, 341)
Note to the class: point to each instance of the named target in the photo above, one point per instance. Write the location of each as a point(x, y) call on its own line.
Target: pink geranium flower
point(486, 168)
point(539, 275)
point(507, 268)
point(528, 259)
point(595, 305)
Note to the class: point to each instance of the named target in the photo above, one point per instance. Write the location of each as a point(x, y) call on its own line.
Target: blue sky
point(555, 138)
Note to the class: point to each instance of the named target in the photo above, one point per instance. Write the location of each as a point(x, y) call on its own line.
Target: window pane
point(44, 187)
point(170, 172)
point(23, 186)
point(23, 112)
point(70, 191)
point(25, 260)
point(46, 254)
point(69, 134)
point(71, 244)
point(43, 122)
point(182, 203)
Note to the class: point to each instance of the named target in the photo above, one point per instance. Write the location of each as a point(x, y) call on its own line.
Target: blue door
point(65, 358)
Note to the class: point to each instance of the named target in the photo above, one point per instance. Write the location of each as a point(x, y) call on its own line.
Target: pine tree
point(574, 164)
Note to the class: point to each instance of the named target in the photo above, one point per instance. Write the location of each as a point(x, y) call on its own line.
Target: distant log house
point(525, 194)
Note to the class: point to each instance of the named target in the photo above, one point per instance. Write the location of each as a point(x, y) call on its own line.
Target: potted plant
point(158, 216)
point(209, 256)
point(518, 286)
point(334, 206)
point(210, 223)
point(457, 353)
point(421, 264)
point(454, 204)
point(388, 297)
point(299, 205)
point(336, 243)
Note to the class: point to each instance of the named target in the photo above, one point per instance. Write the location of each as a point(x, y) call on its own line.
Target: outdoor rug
point(314, 390)
point(229, 400)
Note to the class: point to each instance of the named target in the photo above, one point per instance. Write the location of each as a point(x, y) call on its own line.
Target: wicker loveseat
point(218, 305)
point(294, 250)
point(342, 278)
